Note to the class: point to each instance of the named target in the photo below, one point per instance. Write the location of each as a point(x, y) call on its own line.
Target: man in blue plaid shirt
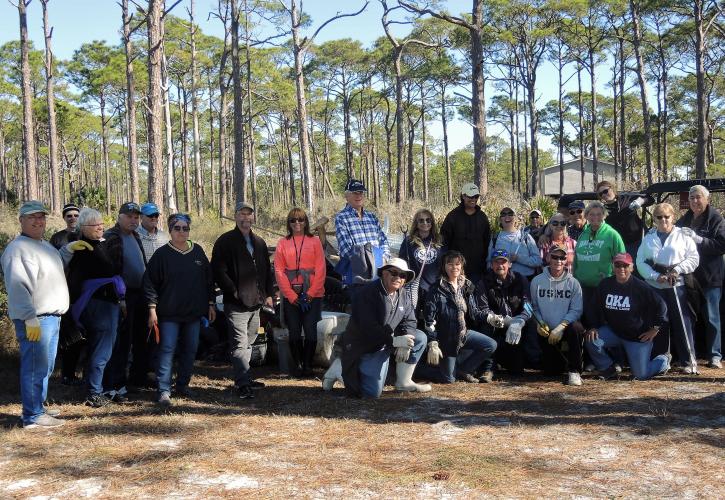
point(356, 226)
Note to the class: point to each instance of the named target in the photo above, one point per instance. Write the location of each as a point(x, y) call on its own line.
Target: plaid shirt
point(352, 231)
point(150, 241)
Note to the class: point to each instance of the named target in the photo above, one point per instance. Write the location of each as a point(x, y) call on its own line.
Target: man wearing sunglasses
point(152, 236)
point(622, 214)
point(467, 230)
point(577, 221)
point(70, 233)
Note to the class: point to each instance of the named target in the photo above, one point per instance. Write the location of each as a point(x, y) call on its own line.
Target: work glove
point(688, 231)
point(513, 333)
point(637, 203)
point(434, 353)
point(32, 329)
point(402, 354)
point(557, 333)
point(543, 330)
point(507, 321)
point(495, 320)
point(75, 246)
point(303, 301)
point(406, 341)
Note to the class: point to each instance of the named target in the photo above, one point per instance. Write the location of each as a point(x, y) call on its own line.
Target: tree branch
point(308, 41)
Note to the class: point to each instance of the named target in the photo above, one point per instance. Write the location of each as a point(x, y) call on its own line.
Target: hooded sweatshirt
point(594, 253)
point(556, 299)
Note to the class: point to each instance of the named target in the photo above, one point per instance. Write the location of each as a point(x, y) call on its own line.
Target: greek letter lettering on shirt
point(554, 294)
point(617, 302)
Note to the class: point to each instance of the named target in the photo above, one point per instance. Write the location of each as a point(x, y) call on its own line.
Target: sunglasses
point(425, 221)
point(153, 216)
point(621, 265)
point(71, 216)
point(603, 192)
point(558, 257)
point(475, 197)
point(557, 223)
point(181, 229)
point(395, 273)
point(294, 220)
point(660, 217)
point(507, 214)
point(575, 212)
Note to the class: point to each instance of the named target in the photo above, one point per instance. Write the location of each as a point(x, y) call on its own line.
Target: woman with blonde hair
point(422, 249)
point(556, 234)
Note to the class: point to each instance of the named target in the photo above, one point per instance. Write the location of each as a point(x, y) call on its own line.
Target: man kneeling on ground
point(627, 313)
point(382, 322)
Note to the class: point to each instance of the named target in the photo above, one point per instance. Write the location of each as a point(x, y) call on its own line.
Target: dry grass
point(514, 438)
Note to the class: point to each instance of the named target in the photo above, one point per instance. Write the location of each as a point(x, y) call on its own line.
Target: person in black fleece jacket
point(629, 314)
point(179, 291)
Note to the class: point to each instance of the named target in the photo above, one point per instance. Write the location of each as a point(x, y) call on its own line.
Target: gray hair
point(595, 204)
point(699, 188)
point(89, 216)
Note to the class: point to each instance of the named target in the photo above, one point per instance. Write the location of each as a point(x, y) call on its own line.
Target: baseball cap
point(70, 206)
point(149, 209)
point(33, 207)
point(535, 212)
point(623, 257)
point(499, 254)
point(556, 247)
point(507, 209)
point(242, 205)
point(129, 208)
point(576, 204)
point(470, 190)
point(355, 186)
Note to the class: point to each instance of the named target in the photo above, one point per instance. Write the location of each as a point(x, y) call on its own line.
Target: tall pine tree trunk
point(30, 185)
point(130, 103)
point(52, 129)
point(155, 39)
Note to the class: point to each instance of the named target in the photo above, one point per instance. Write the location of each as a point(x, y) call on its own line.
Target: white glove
point(402, 354)
point(434, 353)
point(557, 333)
point(507, 321)
point(406, 341)
point(688, 231)
point(495, 320)
point(513, 333)
point(636, 203)
point(431, 327)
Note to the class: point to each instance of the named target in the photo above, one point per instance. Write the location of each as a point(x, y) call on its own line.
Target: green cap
point(33, 207)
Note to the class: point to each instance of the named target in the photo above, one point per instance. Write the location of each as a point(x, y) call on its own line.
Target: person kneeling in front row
point(628, 313)
point(382, 322)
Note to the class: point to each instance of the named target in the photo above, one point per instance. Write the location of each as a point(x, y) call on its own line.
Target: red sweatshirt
point(308, 251)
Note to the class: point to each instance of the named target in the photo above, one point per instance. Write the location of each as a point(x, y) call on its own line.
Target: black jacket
point(711, 227)
point(470, 235)
point(440, 305)
point(505, 297)
point(180, 284)
point(114, 243)
point(86, 265)
point(371, 327)
point(624, 220)
point(63, 237)
point(244, 280)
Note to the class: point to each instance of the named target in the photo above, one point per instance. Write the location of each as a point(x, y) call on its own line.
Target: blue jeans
point(713, 333)
point(243, 326)
point(374, 366)
point(173, 333)
point(638, 354)
point(477, 349)
point(37, 360)
point(100, 319)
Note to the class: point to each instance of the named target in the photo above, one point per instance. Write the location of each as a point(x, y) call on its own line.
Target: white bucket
point(331, 325)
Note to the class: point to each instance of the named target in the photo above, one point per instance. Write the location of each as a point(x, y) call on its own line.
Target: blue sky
point(79, 21)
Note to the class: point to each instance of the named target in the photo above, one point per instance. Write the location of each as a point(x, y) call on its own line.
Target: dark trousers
point(511, 357)
point(679, 334)
point(303, 350)
point(566, 356)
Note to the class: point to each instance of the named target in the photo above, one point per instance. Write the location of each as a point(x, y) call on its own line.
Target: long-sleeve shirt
point(556, 299)
point(520, 244)
point(301, 253)
point(678, 250)
point(352, 231)
point(152, 241)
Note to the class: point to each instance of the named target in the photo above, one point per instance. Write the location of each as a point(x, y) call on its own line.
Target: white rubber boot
point(404, 379)
point(332, 375)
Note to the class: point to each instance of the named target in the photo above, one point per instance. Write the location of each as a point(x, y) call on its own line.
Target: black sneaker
point(97, 400)
point(119, 398)
point(609, 373)
point(182, 391)
point(256, 384)
point(467, 377)
point(245, 392)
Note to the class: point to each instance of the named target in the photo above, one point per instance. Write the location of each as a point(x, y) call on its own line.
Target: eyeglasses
point(660, 217)
point(296, 220)
point(507, 214)
point(395, 273)
point(181, 229)
point(557, 223)
point(425, 221)
point(575, 212)
point(603, 192)
point(558, 257)
point(71, 216)
point(621, 265)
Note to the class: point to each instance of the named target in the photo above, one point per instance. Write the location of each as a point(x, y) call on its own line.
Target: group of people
point(456, 304)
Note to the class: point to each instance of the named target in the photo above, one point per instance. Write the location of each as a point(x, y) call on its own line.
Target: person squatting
point(592, 290)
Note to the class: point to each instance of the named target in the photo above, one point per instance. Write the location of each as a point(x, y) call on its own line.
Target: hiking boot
point(574, 379)
point(164, 400)
point(97, 400)
point(183, 391)
point(487, 377)
point(715, 363)
point(467, 377)
point(245, 392)
point(608, 374)
point(44, 421)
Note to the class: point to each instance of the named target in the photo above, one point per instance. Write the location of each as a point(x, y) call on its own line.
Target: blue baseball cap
point(499, 254)
point(577, 204)
point(355, 186)
point(148, 209)
point(33, 207)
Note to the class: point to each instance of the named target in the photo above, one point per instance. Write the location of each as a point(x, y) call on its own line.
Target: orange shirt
point(303, 252)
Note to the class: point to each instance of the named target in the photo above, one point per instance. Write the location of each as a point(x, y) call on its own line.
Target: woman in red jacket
point(299, 265)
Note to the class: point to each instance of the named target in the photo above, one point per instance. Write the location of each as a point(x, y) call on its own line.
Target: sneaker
point(467, 377)
point(574, 379)
point(589, 368)
point(245, 392)
point(256, 384)
point(715, 363)
point(44, 421)
point(165, 399)
point(119, 398)
point(689, 370)
point(608, 374)
point(53, 412)
point(97, 401)
point(487, 377)
point(617, 368)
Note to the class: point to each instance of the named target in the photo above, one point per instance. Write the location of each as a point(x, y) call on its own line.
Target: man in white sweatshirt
point(37, 297)
point(556, 298)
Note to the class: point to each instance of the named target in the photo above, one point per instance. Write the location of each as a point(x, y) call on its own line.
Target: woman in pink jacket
point(299, 265)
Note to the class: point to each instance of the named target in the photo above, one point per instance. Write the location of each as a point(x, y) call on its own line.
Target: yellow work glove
point(79, 245)
point(32, 329)
point(557, 333)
